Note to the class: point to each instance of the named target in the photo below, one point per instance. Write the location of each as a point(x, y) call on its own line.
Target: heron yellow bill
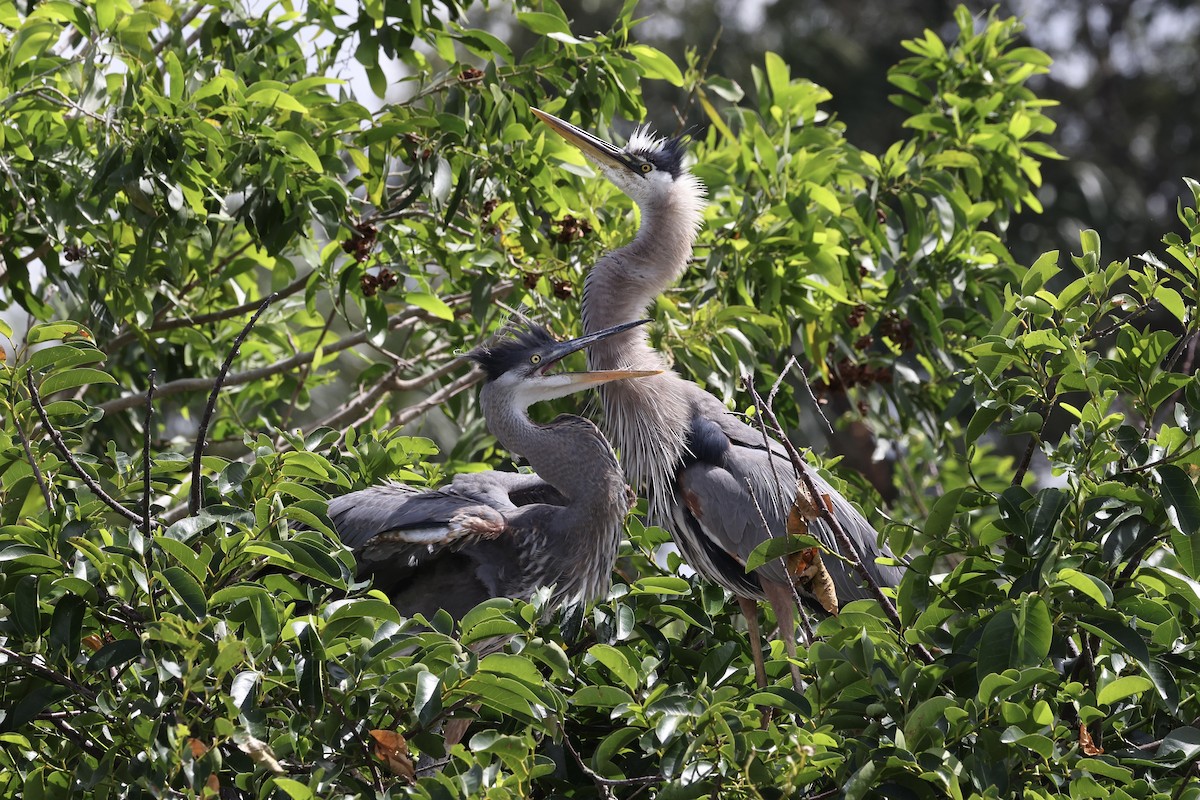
point(592, 147)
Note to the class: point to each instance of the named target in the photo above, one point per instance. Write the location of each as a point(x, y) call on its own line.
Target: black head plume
point(511, 346)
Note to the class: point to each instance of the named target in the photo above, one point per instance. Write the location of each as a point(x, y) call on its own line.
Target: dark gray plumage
point(498, 534)
point(710, 479)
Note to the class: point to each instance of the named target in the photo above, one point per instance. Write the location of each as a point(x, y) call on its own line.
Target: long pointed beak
point(592, 147)
point(594, 378)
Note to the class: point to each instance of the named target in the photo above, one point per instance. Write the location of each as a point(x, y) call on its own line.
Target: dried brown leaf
point(392, 750)
point(1086, 744)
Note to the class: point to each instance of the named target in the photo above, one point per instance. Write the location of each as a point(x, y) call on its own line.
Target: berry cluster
point(361, 243)
point(571, 229)
point(372, 283)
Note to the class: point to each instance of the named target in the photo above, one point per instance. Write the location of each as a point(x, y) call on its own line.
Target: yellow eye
point(646, 168)
point(535, 359)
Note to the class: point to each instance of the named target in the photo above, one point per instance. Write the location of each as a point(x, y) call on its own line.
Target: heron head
point(523, 361)
point(647, 167)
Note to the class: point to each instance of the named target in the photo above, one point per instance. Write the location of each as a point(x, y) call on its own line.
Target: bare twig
point(184, 21)
point(602, 783)
point(122, 339)
point(305, 371)
point(37, 472)
point(42, 671)
point(843, 539)
point(405, 318)
point(1047, 407)
point(407, 415)
point(65, 452)
point(196, 497)
point(147, 523)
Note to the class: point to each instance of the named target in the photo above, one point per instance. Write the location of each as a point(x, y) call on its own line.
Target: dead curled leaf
point(392, 750)
point(1086, 743)
point(806, 567)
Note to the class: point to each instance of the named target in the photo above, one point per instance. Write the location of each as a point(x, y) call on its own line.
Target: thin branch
point(65, 452)
point(197, 457)
point(602, 783)
point(184, 21)
point(147, 523)
point(843, 539)
point(42, 671)
point(305, 371)
point(407, 415)
point(37, 472)
point(1046, 408)
point(405, 318)
point(122, 339)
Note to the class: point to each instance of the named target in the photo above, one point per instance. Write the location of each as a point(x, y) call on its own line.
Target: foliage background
point(166, 167)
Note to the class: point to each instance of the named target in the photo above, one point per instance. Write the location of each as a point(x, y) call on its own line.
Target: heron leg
point(779, 595)
point(750, 612)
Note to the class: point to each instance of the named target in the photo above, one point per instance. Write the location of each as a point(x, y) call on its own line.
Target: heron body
point(719, 486)
point(498, 534)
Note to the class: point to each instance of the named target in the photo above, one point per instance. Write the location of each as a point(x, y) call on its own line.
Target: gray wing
point(404, 515)
point(450, 548)
point(737, 490)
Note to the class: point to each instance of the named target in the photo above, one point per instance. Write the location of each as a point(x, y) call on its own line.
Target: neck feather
point(646, 419)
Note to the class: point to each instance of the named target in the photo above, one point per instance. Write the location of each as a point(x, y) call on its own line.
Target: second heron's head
point(522, 364)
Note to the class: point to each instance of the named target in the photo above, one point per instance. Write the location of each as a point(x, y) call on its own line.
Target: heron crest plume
point(510, 345)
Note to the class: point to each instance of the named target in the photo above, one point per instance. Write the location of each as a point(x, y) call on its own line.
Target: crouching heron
point(715, 483)
point(499, 534)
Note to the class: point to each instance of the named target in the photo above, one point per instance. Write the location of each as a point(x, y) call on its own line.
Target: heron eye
point(535, 359)
point(647, 168)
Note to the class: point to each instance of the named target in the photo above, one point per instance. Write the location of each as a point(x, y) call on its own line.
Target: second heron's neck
point(569, 453)
point(626, 281)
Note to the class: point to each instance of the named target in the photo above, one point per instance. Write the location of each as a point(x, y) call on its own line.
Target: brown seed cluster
point(570, 229)
point(362, 242)
point(562, 289)
point(856, 315)
point(846, 374)
point(898, 329)
point(371, 283)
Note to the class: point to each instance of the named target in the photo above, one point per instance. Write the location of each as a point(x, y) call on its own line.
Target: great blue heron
point(499, 534)
point(710, 479)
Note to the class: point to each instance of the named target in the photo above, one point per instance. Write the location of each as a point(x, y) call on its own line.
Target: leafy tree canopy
point(176, 616)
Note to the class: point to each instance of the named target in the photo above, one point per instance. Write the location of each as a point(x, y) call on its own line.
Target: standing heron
point(718, 485)
point(498, 534)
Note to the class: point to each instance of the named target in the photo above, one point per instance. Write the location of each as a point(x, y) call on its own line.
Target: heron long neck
point(646, 419)
point(569, 453)
point(625, 282)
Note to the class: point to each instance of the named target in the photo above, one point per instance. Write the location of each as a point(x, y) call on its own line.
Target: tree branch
point(37, 472)
point(839, 532)
point(147, 523)
point(65, 452)
point(405, 318)
point(196, 498)
point(122, 339)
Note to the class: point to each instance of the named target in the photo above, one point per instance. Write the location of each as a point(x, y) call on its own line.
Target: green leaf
point(1121, 688)
point(295, 789)
point(73, 378)
point(186, 590)
point(1015, 638)
point(600, 696)
point(431, 303)
point(1088, 585)
point(1183, 510)
point(778, 547)
point(612, 658)
point(943, 511)
point(656, 64)
point(542, 23)
point(296, 146)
